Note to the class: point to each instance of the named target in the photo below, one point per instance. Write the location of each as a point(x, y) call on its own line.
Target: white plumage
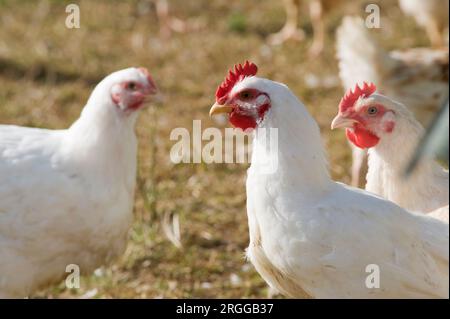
point(66, 196)
point(311, 236)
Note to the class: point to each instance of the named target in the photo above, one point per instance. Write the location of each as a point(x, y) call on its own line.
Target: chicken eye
point(372, 110)
point(245, 95)
point(131, 86)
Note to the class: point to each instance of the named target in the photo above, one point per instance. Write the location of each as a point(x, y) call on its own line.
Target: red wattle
point(361, 137)
point(241, 121)
point(245, 122)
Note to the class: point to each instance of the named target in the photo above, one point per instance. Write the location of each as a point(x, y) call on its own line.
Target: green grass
point(47, 72)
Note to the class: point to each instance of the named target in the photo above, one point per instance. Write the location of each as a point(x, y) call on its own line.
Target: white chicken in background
point(431, 15)
point(416, 77)
point(66, 196)
point(311, 236)
point(391, 133)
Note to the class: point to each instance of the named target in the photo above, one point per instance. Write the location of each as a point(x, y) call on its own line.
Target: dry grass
point(48, 71)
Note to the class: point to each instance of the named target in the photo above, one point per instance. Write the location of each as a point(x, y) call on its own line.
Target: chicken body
point(416, 77)
point(313, 237)
point(66, 196)
point(431, 15)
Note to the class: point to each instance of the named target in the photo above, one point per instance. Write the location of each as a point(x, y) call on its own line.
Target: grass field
point(48, 71)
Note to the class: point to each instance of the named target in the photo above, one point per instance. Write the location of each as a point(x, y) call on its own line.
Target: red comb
point(350, 97)
point(240, 72)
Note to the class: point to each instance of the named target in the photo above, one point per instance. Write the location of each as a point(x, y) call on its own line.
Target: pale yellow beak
point(340, 121)
point(218, 109)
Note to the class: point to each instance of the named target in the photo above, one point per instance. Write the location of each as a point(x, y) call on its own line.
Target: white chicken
point(391, 133)
point(416, 77)
point(311, 236)
point(431, 15)
point(66, 196)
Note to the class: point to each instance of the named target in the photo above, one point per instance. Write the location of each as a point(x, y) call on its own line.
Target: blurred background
point(47, 72)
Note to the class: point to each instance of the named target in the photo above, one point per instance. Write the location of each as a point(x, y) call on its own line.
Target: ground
point(47, 72)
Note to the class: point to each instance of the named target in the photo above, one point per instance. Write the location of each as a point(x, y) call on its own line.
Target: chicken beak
point(340, 121)
point(218, 109)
